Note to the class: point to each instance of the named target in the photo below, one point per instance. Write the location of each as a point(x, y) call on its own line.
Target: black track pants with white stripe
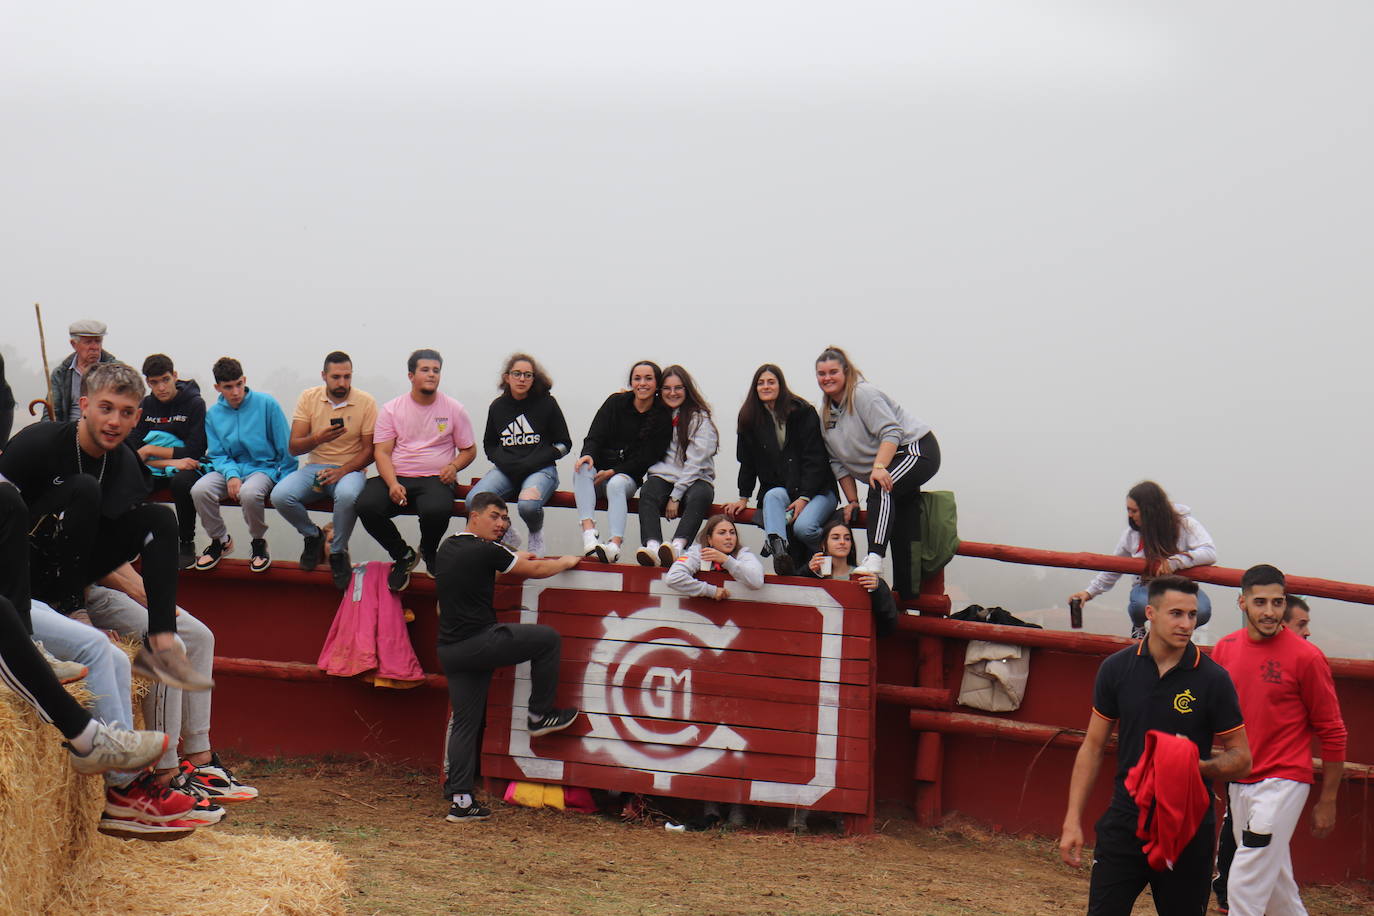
point(894, 516)
point(26, 673)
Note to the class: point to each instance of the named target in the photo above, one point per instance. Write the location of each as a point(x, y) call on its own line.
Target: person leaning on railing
point(1167, 536)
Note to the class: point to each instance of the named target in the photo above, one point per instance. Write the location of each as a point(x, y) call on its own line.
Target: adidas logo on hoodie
point(519, 433)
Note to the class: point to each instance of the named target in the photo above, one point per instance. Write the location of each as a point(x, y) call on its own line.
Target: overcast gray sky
point(1089, 242)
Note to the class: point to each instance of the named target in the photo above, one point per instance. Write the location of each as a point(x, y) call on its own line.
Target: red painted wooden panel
point(763, 699)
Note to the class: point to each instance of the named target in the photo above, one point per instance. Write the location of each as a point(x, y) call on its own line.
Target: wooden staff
point(47, 376)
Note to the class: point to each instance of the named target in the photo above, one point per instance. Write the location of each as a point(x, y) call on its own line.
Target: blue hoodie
point(249, 440)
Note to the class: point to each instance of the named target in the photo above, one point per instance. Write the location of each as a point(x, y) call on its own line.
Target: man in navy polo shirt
point(1164, 683)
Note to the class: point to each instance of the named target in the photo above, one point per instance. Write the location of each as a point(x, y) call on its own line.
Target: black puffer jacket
point(801, 466)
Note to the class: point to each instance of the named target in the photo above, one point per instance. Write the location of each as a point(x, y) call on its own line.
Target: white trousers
point(1261, 881)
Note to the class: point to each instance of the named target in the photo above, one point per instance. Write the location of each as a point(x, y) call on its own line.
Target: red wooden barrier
point(763, 699)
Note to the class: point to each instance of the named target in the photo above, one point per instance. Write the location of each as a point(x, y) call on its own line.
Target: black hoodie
point(523, 436)
point(183, 417)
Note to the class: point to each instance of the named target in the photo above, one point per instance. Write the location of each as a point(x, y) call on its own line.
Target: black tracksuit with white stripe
point(523, 436)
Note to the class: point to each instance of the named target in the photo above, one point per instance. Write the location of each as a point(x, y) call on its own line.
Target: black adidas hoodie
point(523, 436)
point(183, 417)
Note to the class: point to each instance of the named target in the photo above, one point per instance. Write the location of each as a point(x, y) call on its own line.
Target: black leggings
point(468, 666)
point(87, 546)
point(653, 497)
point(28, 675)
point(430, 497)
point(14, 553)
point(894, 516)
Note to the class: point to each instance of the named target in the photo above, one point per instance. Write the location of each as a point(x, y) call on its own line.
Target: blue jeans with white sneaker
point(807, 525)
point(618, 491)
point(544, 480)
point(108, 678)
point(296, 489)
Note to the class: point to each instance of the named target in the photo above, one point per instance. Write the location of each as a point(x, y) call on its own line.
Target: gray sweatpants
point(178, 713)
point(211, 488)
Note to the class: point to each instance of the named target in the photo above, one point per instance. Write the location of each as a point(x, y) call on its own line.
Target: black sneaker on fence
point(554, 721)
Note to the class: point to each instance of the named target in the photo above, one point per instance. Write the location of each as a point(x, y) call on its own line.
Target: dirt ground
point(406, 859)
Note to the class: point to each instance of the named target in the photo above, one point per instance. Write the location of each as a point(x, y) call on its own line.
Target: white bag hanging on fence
point(995, 675)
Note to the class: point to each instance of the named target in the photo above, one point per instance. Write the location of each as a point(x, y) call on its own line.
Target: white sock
point(462, 800)
point(84, 743)
point(679, 545)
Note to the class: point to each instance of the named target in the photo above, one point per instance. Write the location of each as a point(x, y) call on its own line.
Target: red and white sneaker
point(147, 801)
point(204, 813)
point(218, 781)
point(130, 828)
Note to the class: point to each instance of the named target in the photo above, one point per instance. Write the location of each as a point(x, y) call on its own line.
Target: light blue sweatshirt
point(250, 439)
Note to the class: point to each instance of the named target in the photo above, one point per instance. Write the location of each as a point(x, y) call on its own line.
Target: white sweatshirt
point(700, 464)
point(1197, 550)
point(681, 577)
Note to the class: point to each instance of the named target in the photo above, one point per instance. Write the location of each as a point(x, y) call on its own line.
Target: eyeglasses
point(673, 389)
point(515, 373)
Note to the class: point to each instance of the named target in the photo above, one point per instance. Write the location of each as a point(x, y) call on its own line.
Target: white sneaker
point(537, 543)
point(66, 672)
point(872, 563)
point(511, 539)
point(648, 554)
point(608, 552)
point(590, 541)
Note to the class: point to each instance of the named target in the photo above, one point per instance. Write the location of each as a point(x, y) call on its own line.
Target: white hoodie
point(1197, 550)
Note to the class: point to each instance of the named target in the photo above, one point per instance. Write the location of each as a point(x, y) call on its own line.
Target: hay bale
point(53, 860)
point(48, 812)
point(208, 873)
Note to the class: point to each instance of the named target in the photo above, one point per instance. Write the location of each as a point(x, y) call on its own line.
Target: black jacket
point(627, 441)
point(183, 417)
point(801, 467)
point(523, 436)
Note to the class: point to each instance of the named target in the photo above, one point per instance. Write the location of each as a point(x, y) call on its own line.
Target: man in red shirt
point(1287, 695)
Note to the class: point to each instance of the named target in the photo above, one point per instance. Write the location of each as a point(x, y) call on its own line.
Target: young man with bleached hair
point(1288, 696)
point(248, 447)
point(1161, 685)
point(423, 439)
point(334, 423)
point(80, 498)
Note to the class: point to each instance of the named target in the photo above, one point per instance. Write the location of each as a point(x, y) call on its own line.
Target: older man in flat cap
point(88, 337)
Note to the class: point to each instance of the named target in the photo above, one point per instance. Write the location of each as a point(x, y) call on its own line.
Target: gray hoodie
point(852, 437)
point(700, 464)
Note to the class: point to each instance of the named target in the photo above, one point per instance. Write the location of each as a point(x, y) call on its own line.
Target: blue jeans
point(108, 679)
point(618, 489)
point(545, 480)
point(298, 488)
point(806, 526)
point(1140, 596)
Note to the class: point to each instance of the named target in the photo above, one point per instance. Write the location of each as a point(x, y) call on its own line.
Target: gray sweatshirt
point(852, 437)
point(702, 444)
point(681, 576)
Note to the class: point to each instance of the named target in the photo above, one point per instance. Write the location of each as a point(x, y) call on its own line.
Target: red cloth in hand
point(1168, 789)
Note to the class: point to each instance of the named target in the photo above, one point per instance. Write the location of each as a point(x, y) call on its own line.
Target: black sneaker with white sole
point(259, 561)
point(554, 721)
point(473, 812)
point(399, 577)
point(312, 551)
point(209, 557)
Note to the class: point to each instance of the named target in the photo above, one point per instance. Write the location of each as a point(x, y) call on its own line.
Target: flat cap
point(87, 327)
